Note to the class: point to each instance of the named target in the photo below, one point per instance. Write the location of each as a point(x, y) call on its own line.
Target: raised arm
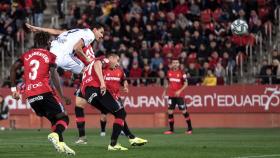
point(48, 30)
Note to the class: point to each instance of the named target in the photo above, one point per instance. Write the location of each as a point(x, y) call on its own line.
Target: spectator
point(75, 15)
point(194, 10)
point(4, 110)
point(135, 9)
point(38, 9)
point(148, 74)
point(92, 11)
point(193, 74)
point(210, 79)
point(135, 58)
point(156, 61)
point(220, 73)
point(263, 68)
point(267, 78)
point(135, 73)
point(275, 55)
point(124, 62)
point(214, 59)
point(276, 71)
point(161, 74)
point(203, 70)
point(181, 8)
point(59, 8)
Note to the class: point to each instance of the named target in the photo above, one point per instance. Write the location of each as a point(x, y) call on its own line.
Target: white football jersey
point(64, 43)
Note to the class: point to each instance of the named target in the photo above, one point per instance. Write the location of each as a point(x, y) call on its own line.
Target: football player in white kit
point(69, 44)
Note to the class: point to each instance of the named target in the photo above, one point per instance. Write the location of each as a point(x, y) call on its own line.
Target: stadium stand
point(148, 33)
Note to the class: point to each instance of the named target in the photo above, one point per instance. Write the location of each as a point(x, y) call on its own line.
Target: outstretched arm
point(48, 30)
point(55, 79)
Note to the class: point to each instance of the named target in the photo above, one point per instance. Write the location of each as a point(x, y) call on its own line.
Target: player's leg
point(73, 64)
point(80, 117)
point(118, 125)
point(108, 102)
point(182, 107)
point(103, 122)
point(36, 105)
point(171, 107)
point(134, 141)
point(125, 130)
point(60, 120)
point(47, 105)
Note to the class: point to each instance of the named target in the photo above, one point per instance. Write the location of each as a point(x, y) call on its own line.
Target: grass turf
point(204, 143)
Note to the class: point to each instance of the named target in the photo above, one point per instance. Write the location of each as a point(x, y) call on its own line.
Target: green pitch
point(204, 143)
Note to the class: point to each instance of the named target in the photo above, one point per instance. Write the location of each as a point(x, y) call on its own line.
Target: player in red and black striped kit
point(177, 82)
point(39, 65)
point(99, 95)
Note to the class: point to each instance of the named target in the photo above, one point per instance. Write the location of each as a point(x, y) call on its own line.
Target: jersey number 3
point(34, 64)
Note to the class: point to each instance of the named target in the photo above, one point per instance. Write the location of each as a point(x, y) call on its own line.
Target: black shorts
point(46, 105)
point(119, 101)
point(78, 93)
point(173, 101)
point(106, 103)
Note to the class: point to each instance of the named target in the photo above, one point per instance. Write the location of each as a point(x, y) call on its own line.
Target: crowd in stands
point(270, 73)
point(148, 33)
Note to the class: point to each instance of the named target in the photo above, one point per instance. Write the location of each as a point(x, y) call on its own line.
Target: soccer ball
point(239, 27)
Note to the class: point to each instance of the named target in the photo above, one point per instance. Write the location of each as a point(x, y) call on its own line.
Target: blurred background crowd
point(148, 33)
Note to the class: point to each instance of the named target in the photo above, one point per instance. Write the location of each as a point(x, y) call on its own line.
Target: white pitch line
point(259, 156)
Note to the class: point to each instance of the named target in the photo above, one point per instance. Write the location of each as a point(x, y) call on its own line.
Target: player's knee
point(103, 117)
point(186, 114)
point(62, 116)
point(170, 111)
point(182, 108)
point(120, 114)
point(80, 102)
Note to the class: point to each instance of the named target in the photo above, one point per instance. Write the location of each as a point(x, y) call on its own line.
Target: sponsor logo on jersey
point(112, 78)
point(174, 80)
point(89, 79)
point(34, 86)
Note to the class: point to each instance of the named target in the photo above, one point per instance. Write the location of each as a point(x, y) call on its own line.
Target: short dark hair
point(41, 39)
point(97, 26)
point(112, 55)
